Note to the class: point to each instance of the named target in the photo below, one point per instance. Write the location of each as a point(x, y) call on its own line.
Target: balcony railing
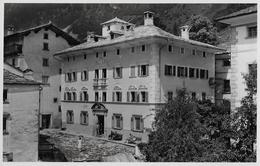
point(100, 82)
point(13, 49)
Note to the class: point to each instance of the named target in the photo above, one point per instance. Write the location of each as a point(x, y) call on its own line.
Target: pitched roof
point(246, 11)
point(137, 33)
point(11, 78)
point(51, 26)
point(116, 20)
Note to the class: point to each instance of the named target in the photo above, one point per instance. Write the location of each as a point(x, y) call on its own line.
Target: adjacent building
point(116, 81)
point(241, 55)
point(31, 51)
point(21, 104)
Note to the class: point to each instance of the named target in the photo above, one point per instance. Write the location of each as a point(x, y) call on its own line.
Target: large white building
point(31, 51)
point(119, 79)
point(231, 67)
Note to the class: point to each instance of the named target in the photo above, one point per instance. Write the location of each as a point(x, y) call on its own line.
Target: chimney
point(10, 29)
point(28, 74)
point(185, 31)
point(90, 36)
point(148, 18)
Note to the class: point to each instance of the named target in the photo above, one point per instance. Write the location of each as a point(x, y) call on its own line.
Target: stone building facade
point(31, 51)
point(117, 82)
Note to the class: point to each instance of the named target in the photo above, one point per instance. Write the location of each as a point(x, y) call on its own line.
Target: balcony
point(13, 49)
point(99, 83)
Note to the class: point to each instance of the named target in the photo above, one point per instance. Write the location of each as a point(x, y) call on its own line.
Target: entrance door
point(46, 121)
point(101, 124)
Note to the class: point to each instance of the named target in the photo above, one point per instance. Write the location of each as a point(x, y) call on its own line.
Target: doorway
point(101, 124)
point(46, 121)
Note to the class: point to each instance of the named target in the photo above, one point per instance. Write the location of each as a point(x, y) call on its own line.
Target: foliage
point(203, 30)
point(245, 119)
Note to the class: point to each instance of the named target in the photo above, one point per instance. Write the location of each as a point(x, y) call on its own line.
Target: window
point(117, 121)
point(202, 73)
point(117, 51)
point(174, 71)
point(68, 77)
point(193, 52)
point(132, 71)
point(182, 50)
point(84, 96)
point(96, 74)
point(137, 123)
point(6, 118)
point(67, 96)
point(168, 70)
point(180, 71)
point(143, 48)
point(85, 56)
point(13, 62)
point(193, 95)
point(197, 73)
point(144, 96)
point(204, 54)
point(143, 70)
point(203, 96)
point(226, 62)
point(186, 71)
point(59, 88)
point(104, 73)
point(226, 88)
point(70, 117)
point(45, 62)
point(117, 72)
point(191, 72)
point(170, 48)
point(104, 54)
point(251, 68)
point(45, 46)
point(68, 59)
point(73, 58)
point(117, 96)
point(96, 96)
point(59, 109)
point(74, 76)
point(45, 79)
point(5, 92)
point(96, 54)
point(84, 118)
point(122, 27)
point(252, 31)
point(133, 49)
point(84, 75)
point(132, 96)
point(112, 36)
point(170, 95)
point(108, 27)
point(60, 71)
point(45, 36)
point(104, 96)
point(74, 95)
point(55, 100)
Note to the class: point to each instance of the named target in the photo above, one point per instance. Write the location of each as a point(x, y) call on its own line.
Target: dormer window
point(108, 27)
point(112, 36)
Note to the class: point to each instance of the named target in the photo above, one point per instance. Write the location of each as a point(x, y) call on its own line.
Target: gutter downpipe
point(39, 112)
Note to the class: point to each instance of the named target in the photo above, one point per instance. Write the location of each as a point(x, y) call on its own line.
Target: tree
point(202, 30)
point(245, 118)
point(177, 132)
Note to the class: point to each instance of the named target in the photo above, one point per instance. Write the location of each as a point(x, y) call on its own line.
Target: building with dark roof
point(116, 83)
point(31, 51)
point(21, 108)
point(241, 55)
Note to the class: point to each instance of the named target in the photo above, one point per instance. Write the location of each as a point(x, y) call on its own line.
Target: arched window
point(70, 117)
point(74, 95)
point(83, 96)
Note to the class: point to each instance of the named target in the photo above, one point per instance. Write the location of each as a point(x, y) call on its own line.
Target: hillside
point(78, 19)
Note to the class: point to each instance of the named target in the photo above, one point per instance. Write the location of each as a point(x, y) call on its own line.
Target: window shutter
point(80, 96)
point(114, 72)
point(147, 70)
point(86, 75)
point(165, 69)
point(113, 96)
point(132, 123)
point(64, 96)
point(82, 75)
point(121, 122)
point(120, 96)
point(142, 123)
point(207, 74)
point(146, 96)
point(178, 71)
point(87, 118)
point(121, 72)
point(186, 72)
point(137, 96)
point(139, 70)
point(128, 95)
point(113, 119)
